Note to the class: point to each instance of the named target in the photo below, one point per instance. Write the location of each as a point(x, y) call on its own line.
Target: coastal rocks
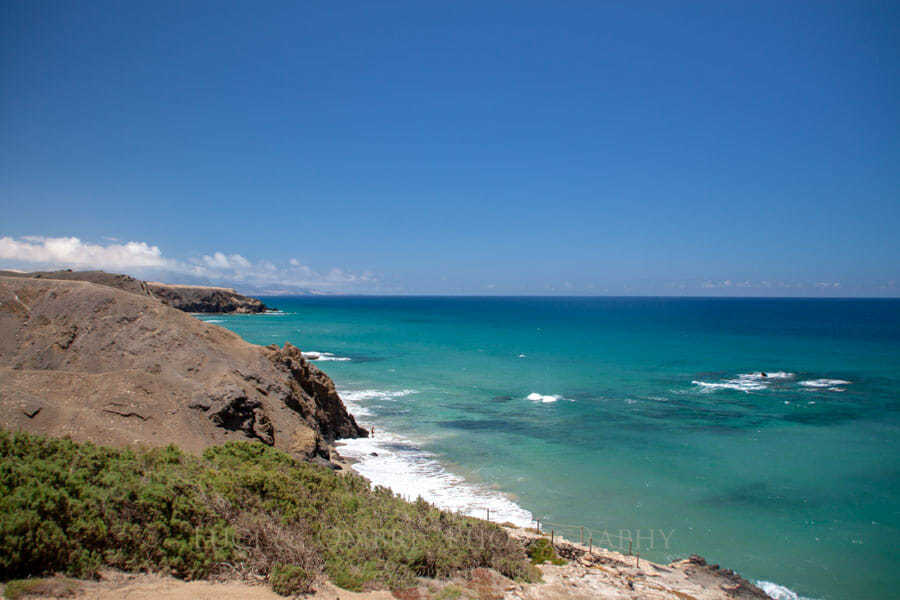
point(306, 442)
point(308, 383)
point(116, 367)
point(596, 572)
point(231, 408)
point(204, 299)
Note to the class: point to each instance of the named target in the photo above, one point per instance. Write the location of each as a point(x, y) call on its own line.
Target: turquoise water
point(632, 416)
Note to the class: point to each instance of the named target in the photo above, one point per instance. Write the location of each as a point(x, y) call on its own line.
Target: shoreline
point(587, 557)
point(593, 571)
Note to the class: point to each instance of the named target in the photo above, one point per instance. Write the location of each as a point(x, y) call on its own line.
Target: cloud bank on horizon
point(146, 260)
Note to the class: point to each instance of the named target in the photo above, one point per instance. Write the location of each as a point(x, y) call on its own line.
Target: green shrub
point(289, 580)
point(541, 551)
point(56, 587)
point(72, 507)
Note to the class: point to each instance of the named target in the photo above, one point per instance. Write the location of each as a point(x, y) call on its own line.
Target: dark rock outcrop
point(116, 367)
point(203, 299)
point(189, 298)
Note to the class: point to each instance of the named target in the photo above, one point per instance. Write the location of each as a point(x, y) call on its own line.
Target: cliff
point(204, 299)
point(189, 298)
point(101, 364)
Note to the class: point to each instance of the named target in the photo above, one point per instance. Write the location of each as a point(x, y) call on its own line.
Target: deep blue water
point(640, 418)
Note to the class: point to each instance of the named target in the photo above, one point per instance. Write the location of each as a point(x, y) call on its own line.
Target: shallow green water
point(632, 416)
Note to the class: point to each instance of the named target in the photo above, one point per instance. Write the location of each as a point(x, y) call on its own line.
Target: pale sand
point(114, 585)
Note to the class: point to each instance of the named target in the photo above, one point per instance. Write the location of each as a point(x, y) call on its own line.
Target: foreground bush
point(242, 507)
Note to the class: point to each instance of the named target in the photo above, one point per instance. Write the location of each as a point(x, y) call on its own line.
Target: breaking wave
point(746, 382)
point(778, 592)
point(323, 356)
point(397, 463)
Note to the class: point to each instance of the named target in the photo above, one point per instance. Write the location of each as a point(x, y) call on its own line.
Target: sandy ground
point(114, 585)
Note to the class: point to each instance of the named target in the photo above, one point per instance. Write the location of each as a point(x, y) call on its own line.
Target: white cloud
point(142, 259)
point(72, 251)
point(220, 261)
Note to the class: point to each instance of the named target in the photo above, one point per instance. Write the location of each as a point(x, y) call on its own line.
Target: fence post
point(552, 536)
point(637, 560)
point(591, 546)
point(488, 511)
point(629, 547)
point(581, 536)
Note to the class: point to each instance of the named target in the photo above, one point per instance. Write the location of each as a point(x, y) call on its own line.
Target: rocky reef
point(98, 363)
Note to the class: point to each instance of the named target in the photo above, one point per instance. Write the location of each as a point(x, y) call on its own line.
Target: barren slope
point(109, 366)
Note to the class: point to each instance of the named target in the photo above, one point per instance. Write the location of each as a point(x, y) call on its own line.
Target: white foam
point(412, 473)
point(323, 356)
point(746, 382)
point(778, 592)
point(213, 320)
point(521, 356)
point(546, 399)
point(354, 400)
point(761, 376)
point(825, 383)
point(361, 395)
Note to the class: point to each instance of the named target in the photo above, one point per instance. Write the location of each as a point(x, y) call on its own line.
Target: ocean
point(761, 434)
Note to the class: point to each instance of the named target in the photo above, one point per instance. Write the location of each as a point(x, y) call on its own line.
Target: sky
point(628, 148)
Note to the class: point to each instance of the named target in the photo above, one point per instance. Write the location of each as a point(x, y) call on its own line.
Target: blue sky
point(703, 148)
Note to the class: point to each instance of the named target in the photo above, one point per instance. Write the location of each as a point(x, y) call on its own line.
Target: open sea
point(644, 420)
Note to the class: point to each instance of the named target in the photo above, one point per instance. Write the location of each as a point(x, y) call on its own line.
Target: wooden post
point(591, 546)
point(552, 536)
point(637, 560)
point(629, 547)
point(581, 536)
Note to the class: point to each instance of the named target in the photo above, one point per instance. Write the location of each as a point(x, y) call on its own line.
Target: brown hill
point(110, 366)
point(189, 298)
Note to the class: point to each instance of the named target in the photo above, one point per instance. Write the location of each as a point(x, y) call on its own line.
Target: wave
point(546, 399)
point(360, 395)
point(353, 398)
point(746, 382)
point(779, 592)
point(830, 384)
point(213, 320)
point(397, 463)
point(323, 356)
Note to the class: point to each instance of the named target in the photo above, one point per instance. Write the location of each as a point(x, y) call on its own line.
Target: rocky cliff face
point(189, 298)
point(200, 299)
point(118, 367)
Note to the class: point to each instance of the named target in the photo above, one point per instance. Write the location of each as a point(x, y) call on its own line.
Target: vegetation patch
point(55, 587)
point(244, 506)
point(541, 551)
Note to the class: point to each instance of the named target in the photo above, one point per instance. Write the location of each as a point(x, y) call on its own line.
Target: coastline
point(384, 399)
point(590, 571)
point(388, 459)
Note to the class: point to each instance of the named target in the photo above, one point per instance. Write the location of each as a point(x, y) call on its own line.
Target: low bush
point(541, 551)
point(53, 587)
point(244, 506)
